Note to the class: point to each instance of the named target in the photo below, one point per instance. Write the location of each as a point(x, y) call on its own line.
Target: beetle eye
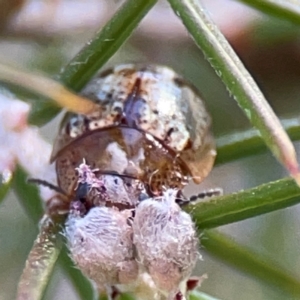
point(82, 191)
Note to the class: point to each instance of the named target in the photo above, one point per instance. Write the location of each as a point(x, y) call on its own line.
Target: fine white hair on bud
point(166, 242)
point(100, 244)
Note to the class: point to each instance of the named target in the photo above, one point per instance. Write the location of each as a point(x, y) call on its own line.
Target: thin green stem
point(196, 295)
point(80, 283)
point(239, 206)
point(253, 264)
point(28, 195)
point(242, 144)
point(45, 251)
point(40, 262)
point(109, 39)
point(238, 81)
point(5, 185)
point(97, 52)
point(286, 10)
point(127, 297)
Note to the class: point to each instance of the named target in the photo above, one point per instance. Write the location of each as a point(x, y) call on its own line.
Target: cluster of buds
point(149, 250)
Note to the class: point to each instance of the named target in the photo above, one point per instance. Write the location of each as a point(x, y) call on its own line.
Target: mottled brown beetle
point(150, 124)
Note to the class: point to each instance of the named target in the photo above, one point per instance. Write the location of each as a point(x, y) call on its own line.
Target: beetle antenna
point(206, 195)
point(114, 173)
point(47, 184)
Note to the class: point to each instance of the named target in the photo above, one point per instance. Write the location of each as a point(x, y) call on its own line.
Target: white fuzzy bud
point(166, 242)
point(101, 245)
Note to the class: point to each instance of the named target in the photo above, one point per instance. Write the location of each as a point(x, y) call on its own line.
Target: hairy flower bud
point(100, 244)
point(166, 242)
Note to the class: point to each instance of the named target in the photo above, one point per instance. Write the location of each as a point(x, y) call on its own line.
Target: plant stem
point(285, 10)
point(102, 47)
point(5, 185)
point(40, 262)
point(239, 206)
point(80, 283)
point(242, 144)
point(253, 264)
point(28, 195)
point(196, 295)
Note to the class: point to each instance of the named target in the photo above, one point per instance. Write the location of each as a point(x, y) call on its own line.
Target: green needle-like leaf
point(28, 195)
point(40, 262)
point(242, 144)
point(98, 51)
point(43, 112)
point(5, 185)
point(80, 283)
point(4, 188)
point(109, 39)
point(245, 204)
point(284, 9)
point(251, 263)
point(237, 80)
point(127, 297)
point(201, 296)
point(46, 248)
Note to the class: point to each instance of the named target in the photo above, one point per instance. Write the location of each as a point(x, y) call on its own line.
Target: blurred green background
point(44, 35)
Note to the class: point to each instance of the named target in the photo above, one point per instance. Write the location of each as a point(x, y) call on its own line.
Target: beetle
point(150, 124)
